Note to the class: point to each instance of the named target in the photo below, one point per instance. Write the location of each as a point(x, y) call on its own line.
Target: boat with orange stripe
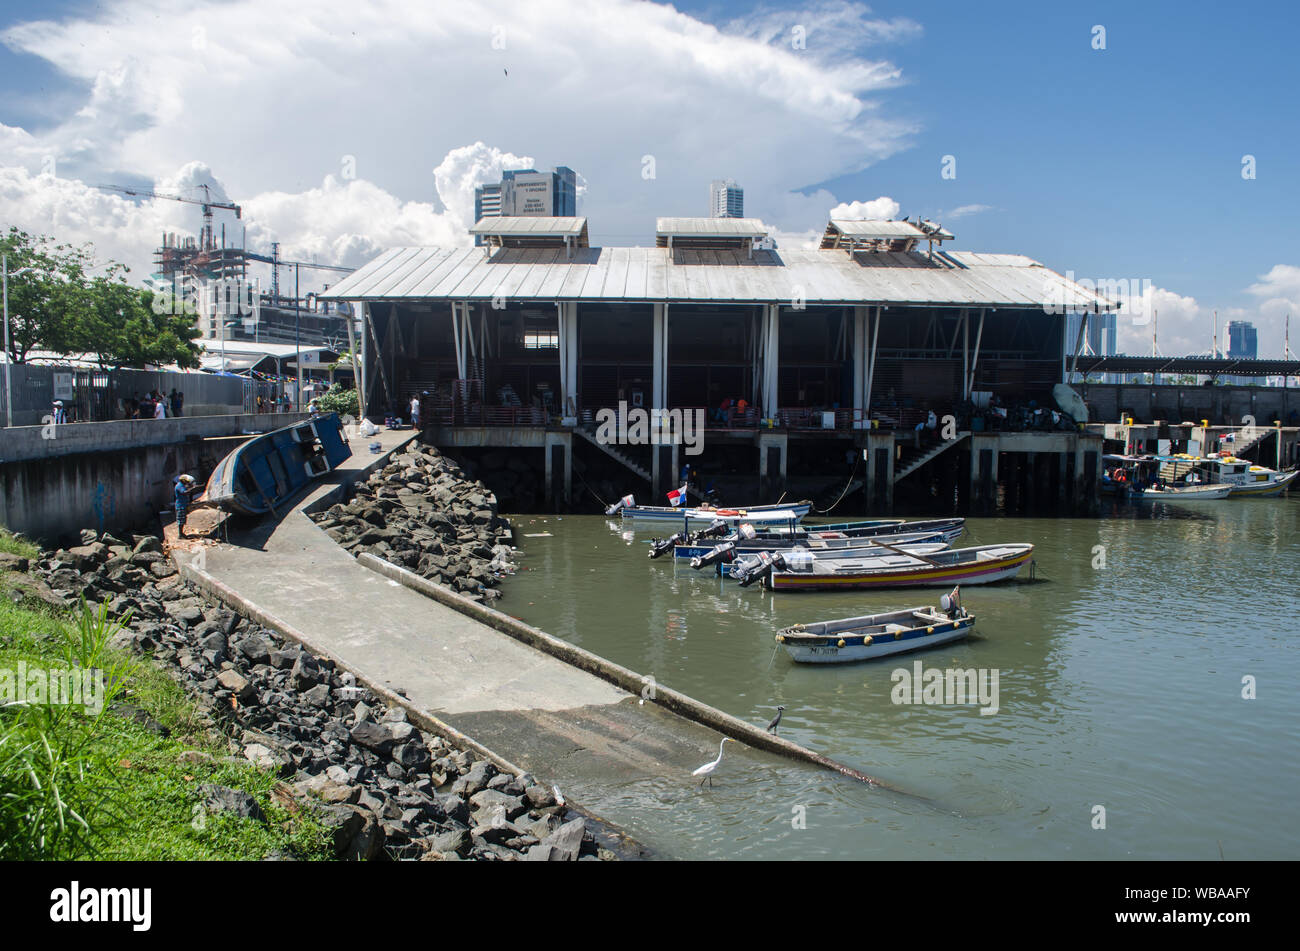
point(984, 564)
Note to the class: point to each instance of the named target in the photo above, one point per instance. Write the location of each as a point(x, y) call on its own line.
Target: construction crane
point(207, 240)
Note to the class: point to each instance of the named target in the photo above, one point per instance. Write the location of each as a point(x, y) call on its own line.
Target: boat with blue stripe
point(269, 469)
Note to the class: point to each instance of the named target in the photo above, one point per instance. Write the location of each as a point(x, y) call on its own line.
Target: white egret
point(707, 769)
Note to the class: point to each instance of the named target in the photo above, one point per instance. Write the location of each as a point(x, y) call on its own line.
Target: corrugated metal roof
point(711, 227)
point(952, 278)
point(529, 226)
point(878, 228)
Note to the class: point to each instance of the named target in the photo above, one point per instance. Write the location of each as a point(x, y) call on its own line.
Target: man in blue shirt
point(185, 487)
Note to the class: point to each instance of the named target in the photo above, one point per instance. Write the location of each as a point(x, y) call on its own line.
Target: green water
point(1118, 687)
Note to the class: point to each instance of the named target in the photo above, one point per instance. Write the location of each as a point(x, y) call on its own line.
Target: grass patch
point(12, 544)
point(76, 783)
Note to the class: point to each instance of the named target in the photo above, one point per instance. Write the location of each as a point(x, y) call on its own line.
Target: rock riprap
point(422, 512)
point(383, 786)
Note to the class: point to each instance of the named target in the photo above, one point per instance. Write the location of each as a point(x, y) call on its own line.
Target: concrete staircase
point(588, 433)
point(915, 457)
point(1243, 440)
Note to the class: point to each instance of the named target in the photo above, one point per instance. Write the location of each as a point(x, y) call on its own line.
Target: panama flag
point(676, 496)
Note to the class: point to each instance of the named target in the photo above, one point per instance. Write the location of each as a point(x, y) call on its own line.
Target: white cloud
point(962, 211)
point(273, 100)
point(877, 208)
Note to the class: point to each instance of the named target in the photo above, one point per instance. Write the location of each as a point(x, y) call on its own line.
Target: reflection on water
point(1120, 685)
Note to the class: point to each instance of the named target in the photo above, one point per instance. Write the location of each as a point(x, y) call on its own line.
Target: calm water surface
point(1119, 687)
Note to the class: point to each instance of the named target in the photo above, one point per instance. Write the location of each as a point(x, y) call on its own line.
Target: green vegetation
point(55, 304)
point(119, 780)
point(339, 400)
point(12, 544)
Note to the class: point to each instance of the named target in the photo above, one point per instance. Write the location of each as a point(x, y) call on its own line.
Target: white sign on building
point(63, 386)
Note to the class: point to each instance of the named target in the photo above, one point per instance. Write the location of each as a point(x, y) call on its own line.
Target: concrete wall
point(1221, 405)
point(108, 476)
point(43, 442)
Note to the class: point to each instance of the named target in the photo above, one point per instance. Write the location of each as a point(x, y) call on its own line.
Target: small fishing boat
point(748, 567)
point(727, 552)
point(1244, 478)
point(688, 516)
point(699, 545)
point(1185, 493)
point(878, 635)
point(802, 570)
point(268, 469)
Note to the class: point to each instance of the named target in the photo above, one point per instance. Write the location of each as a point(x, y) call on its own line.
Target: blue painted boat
point(269, 469)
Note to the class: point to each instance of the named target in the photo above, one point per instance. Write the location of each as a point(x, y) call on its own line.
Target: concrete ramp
point(553, 717)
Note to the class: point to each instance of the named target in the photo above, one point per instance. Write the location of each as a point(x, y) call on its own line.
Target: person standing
point(58, 414)
point(159, 407)
point(176, 400)
point(182, 491)
point(415, 412)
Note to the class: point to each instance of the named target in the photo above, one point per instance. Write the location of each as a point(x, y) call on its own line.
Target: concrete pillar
point(983, 472)
point(1062, 477)
point(559, 468)
point(771, 351)
point(772, 455)
point(879, 487)
point(659, 369)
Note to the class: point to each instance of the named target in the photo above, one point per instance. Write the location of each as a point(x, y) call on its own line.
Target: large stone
point(562, 845)
point(357, 834)
point(490, 799)
point(224, 799)
point(377, 737)
point(256, 648)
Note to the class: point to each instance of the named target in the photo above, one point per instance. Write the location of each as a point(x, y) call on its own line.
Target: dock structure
point(526, 700)
point(800, 362)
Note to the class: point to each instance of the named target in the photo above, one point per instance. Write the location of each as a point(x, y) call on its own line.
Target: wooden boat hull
point(1208, 493)
point(949, 530)
point(268, 470)
point(1263, 490)
point(873, 637)
point(1003, 564)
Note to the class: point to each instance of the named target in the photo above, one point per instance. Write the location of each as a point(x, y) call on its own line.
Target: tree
point(123, 328)
point(44, 300)
point(56, 306)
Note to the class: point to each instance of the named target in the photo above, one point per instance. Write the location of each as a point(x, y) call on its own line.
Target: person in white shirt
point(415, 412)
point(160, 409)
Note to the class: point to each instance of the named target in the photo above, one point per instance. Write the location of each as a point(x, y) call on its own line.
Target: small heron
point(707, 769)
point(776, 720)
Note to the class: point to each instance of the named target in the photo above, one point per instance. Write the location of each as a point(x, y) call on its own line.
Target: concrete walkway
point(566, 726)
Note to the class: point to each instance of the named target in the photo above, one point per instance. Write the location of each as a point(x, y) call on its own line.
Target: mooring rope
point(852, 474)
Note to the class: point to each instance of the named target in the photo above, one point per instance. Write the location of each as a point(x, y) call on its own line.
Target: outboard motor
point(662, 546)
point(719, 527)
point(759, 569)
point(725, 552)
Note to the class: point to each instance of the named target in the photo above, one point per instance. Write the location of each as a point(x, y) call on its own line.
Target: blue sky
point(1117, 163)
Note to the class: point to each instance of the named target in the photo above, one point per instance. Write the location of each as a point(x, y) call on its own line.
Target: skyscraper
point(529, 193)
point(726, 199)
point(1243, 340)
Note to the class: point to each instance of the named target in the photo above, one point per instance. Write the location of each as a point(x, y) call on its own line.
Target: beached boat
point(801, 570)
point(878, 635)
point(268, 469)
point(790, 512)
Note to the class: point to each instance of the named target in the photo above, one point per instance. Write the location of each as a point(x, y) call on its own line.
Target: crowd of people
point(154, 405)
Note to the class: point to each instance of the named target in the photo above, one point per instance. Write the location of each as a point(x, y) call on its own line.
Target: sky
point(1151, 143)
